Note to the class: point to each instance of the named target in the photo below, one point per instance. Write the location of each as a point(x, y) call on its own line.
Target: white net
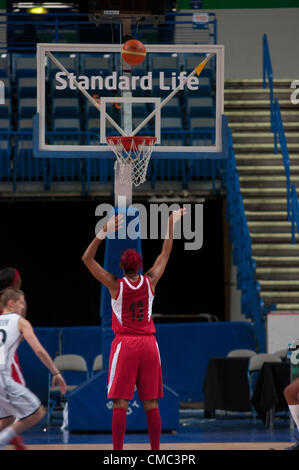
point(133, 155)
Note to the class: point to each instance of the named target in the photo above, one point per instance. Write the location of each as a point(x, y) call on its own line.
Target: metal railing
point(277, 128)
point(252, 304)
point(294, 212)
point(279, 137)
point(267, 72)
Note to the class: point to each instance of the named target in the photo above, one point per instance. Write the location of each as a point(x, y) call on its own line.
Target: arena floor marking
point(170, 446)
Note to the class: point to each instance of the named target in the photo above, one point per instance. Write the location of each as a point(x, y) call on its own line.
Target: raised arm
point(27, 331)
point(101, 274)
point(158, 268)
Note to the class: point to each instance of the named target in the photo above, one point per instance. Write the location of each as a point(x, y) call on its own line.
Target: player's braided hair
point(7, 276)
point(131, 260)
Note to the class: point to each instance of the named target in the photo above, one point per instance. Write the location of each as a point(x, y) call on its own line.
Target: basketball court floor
point(227, 431)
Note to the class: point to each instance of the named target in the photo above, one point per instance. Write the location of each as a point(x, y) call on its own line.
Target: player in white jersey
point(20, 409)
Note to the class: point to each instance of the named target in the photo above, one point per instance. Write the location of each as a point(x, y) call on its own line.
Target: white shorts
point(16, 399)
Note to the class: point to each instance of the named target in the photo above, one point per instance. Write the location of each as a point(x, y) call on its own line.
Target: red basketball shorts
point(135, 361)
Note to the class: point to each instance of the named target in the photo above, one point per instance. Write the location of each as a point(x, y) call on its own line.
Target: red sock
point(154, 427)
point(119, 418)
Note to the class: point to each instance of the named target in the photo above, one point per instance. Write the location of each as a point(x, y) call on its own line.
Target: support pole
point(124, 191)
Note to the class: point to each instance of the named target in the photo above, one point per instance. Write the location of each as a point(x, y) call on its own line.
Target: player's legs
point(10, 432)
point(150, 388)
point(120, 403)
point(123, 366)
point(150, 404)
point(17, 441)
point(119, 421)
point(291, 393)
point(16, 402)
point(25, 423)
point(153, 422)
point(4, 422)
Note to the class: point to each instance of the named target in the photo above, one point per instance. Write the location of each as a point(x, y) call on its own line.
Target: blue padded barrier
point(85, 341)
point(89, 409)
point(185, 350)
point(35, 373)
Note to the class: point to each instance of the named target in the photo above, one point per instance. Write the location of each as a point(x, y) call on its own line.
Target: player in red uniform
point(10, 277)
point(134, 357)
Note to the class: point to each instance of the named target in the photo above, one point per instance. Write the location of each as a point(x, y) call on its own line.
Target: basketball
point(133, 52)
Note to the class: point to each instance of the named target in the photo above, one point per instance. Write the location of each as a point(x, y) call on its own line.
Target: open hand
point(114, 224)
point(177, 215)
point(59, 380)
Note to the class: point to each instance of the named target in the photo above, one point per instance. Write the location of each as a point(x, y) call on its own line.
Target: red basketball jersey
point(132, 307)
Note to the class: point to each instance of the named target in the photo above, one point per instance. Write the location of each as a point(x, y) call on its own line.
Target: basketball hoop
point(133, 154)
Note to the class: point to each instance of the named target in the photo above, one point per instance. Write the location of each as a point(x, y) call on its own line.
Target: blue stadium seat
point(65, 107)
point(97, 65)
point(191, 61)
point(26, 166)
point(4, 67)
point(139, 71)
point(66, 169)
point(66, 125)
point(202, 131)
point(65, 112)
point(200, 107)
point(201, 123)
point(164, 63)
point(5, 125)
point(174, 137)
point(138, 120)
point(5, 110)
point(61, 94)
point(171, 123)
point(70, 63)
point(5, 150)
point(168, 170)
point(172, 108)
point(100, 170)
point(92, 112)
point(93, 125)
point(24, 67)
point(139, 110)
point(204, 169)
point(26, 87)
point(26, 108)
point(25, 124)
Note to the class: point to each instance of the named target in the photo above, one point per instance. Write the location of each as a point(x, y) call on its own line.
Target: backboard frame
point(43, 150)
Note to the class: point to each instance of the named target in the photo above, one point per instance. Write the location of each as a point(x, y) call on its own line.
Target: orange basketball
point(133, 52)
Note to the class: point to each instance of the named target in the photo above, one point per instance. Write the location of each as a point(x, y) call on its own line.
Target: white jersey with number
point(10, 338)
point(15, 399)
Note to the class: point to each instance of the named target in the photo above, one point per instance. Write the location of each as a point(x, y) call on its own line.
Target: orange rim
point(127, 141)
